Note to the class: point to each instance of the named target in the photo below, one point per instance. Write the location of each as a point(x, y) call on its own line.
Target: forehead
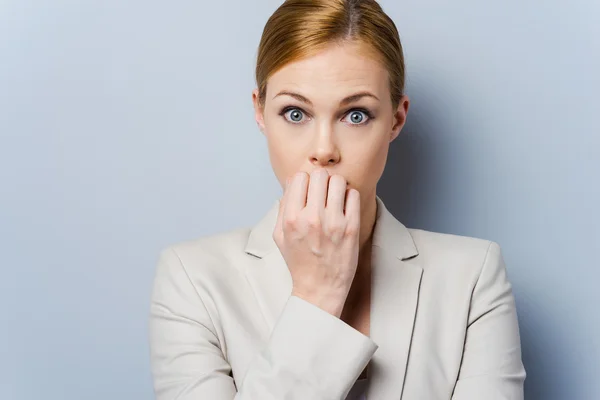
point(333, 72)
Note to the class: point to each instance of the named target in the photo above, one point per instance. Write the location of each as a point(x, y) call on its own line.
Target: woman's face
point(332, 110)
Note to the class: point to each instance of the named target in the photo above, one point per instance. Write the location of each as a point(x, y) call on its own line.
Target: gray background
point(127, 125)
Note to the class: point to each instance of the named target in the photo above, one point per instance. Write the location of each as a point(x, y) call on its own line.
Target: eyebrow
point(346, 100)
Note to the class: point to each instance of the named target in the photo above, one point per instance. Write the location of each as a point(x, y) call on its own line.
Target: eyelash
point(363, 110)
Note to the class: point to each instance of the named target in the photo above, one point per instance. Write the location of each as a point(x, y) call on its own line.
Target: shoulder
point(216, 252)
point(450, 244)
point(461, 256)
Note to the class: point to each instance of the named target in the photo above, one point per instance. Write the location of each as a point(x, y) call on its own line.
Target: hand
point(317, 232)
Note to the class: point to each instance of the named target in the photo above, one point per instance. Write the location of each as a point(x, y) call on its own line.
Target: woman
point(329, 296)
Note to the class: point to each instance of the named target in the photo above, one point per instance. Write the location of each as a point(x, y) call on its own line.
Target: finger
point(278, 231)
point(295, 199)
point(336, 194)
point(317, 189)
point(353, 209)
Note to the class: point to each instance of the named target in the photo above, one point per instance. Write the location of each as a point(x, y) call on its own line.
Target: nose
point(324, 152)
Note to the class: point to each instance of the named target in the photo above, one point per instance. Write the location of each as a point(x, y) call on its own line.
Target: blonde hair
point(301, 28)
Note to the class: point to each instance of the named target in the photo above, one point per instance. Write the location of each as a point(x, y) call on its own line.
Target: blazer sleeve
point(310, 353)
point(491, 367)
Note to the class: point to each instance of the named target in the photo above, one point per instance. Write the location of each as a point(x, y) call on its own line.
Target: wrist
point(330, 303)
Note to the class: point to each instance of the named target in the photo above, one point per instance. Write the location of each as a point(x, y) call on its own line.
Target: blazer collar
point(395, 283)
point(389, 234)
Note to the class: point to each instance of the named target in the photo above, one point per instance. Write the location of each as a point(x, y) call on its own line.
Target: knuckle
point(290, 223)
point(351, 230)
point(335, 228)
point(314, 222)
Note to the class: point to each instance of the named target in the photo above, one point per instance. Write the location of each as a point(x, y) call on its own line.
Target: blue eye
point(357, 117)
point(293, 115)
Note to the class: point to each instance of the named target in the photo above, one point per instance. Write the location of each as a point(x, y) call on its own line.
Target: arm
point(310, 354)
point(491, 367)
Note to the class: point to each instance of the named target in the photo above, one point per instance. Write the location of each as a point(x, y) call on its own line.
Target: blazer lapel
point(394, 294)
point(268, 274)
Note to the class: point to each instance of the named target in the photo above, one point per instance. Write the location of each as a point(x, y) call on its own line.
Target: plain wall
point(126, 126)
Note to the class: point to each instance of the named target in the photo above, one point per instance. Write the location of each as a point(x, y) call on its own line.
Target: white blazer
point(443, 323)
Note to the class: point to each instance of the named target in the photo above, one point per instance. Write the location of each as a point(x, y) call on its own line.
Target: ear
point(400, 117)
point(258, 111)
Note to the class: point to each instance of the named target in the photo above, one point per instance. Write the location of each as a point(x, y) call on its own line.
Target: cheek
point(366, 166)
point(285, 158)
point(287, 147)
